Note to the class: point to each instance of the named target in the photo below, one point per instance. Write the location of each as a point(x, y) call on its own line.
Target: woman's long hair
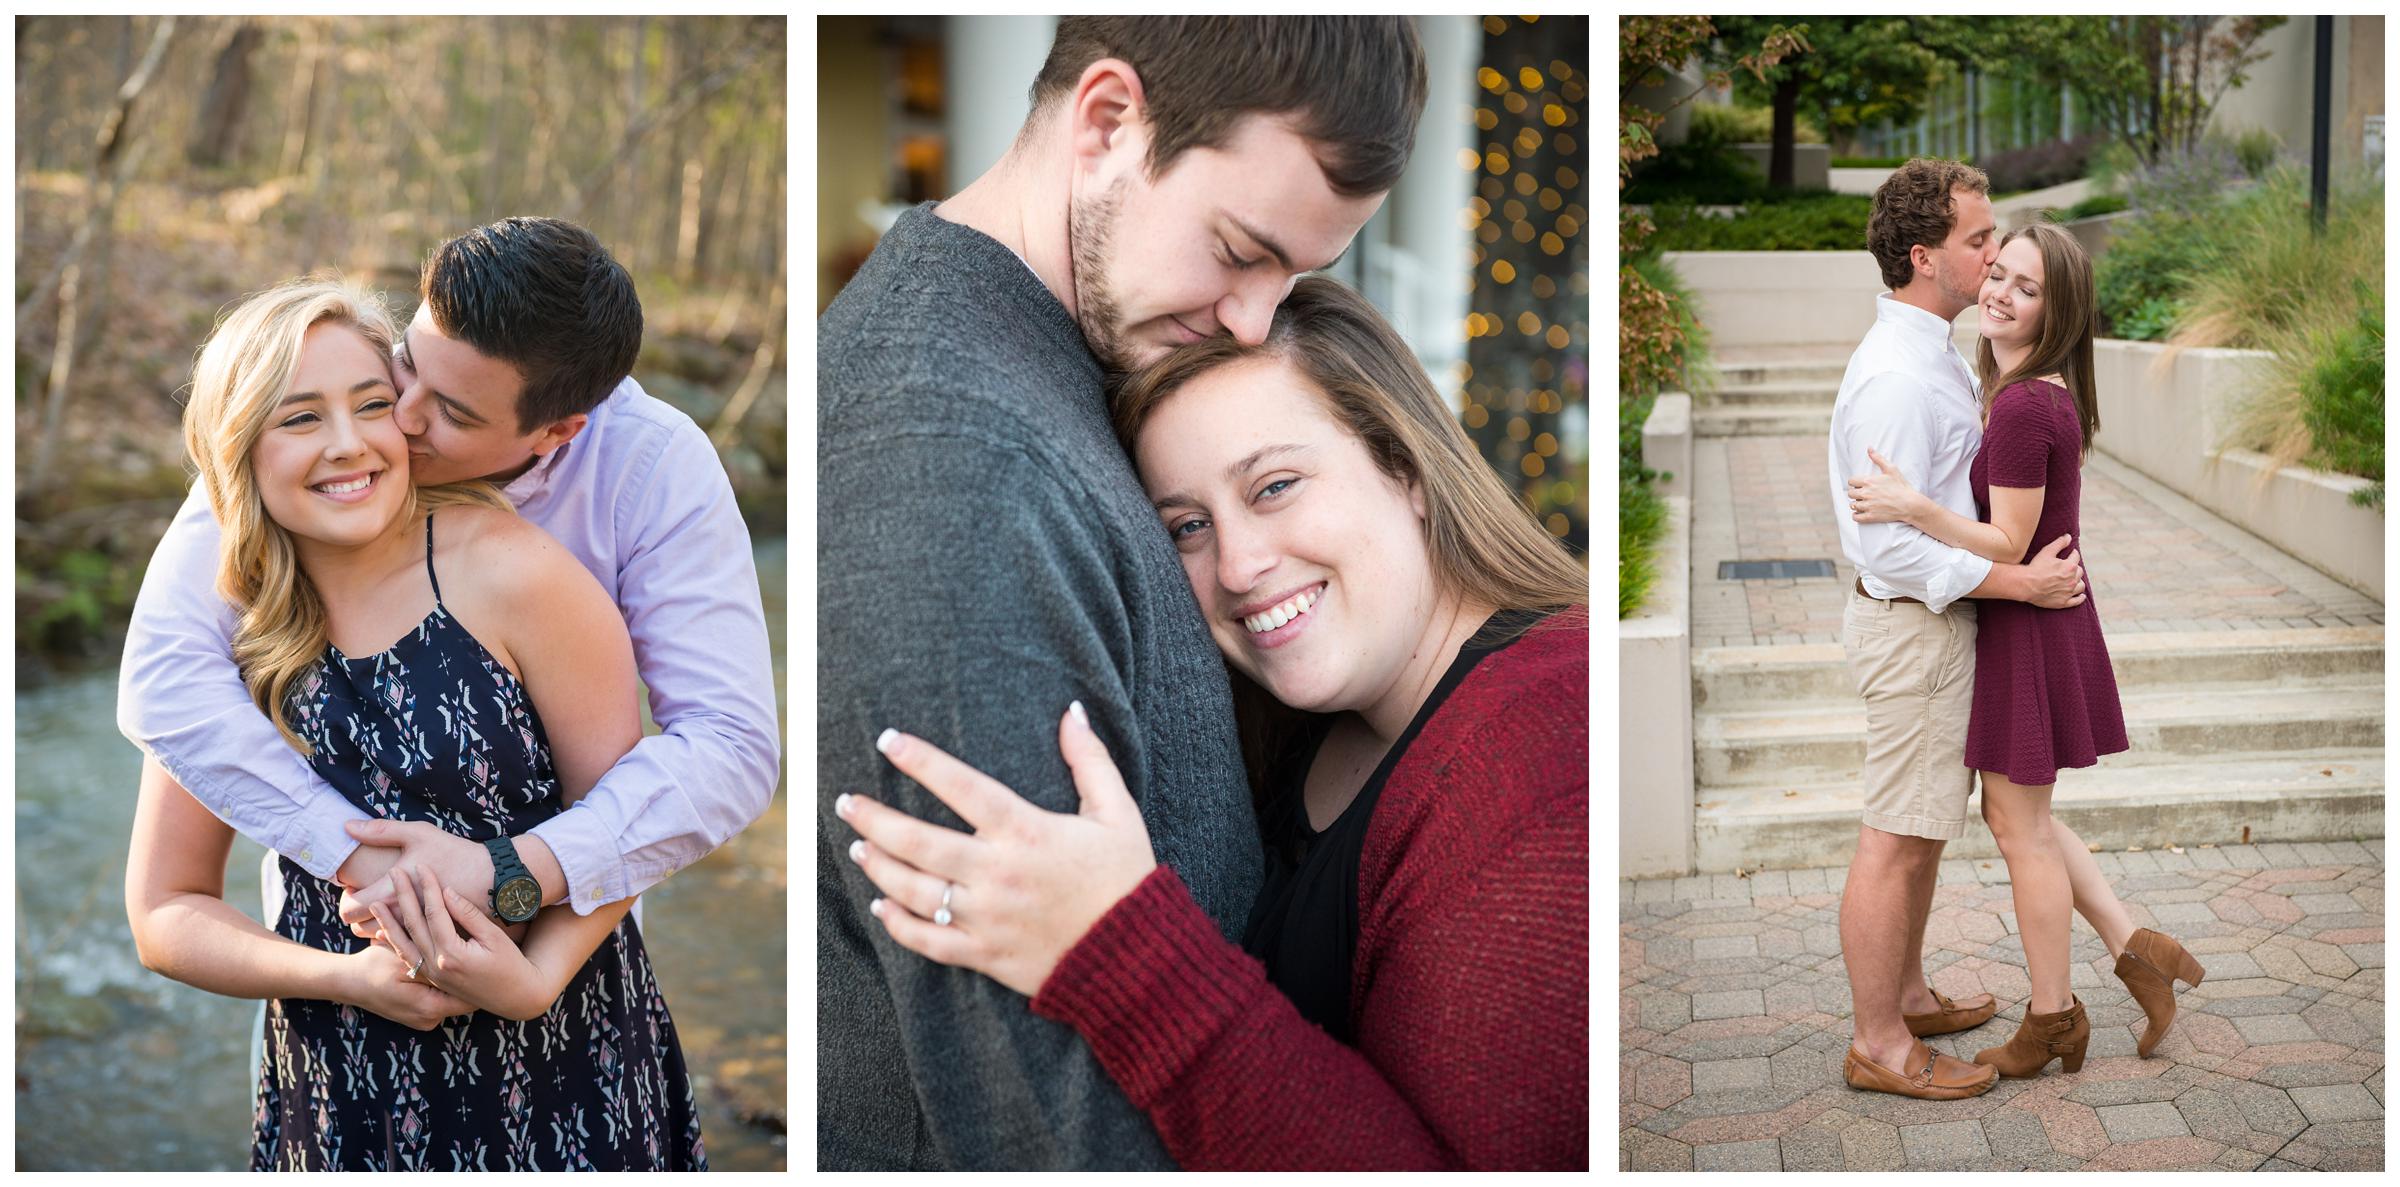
point(243, 371)
point(2070, 319)
point(1484, 543)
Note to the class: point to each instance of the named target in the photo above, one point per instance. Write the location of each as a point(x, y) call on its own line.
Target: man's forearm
point(2005, 583)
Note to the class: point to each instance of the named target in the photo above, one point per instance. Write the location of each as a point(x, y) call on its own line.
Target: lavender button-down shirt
point(640, 498)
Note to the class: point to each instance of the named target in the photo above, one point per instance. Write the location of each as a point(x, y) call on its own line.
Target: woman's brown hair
point(1485, 545)
point(2062, 346)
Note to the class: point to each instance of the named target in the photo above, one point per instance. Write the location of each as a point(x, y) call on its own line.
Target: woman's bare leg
point(2037, 877)
point(2095, 899)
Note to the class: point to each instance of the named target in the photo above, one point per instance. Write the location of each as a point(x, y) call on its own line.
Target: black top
point(1305, 926)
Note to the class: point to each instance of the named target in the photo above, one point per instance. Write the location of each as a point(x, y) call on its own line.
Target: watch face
point(518, 899)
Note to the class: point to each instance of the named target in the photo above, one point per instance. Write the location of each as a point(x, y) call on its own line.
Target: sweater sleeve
point(1473, 1050)
point(971, 622)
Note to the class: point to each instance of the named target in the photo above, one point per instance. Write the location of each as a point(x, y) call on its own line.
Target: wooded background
point(168, 165)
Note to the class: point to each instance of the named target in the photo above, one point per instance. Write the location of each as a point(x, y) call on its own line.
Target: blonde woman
point(436, 659)
point(2045, 696)
point(1409, 650)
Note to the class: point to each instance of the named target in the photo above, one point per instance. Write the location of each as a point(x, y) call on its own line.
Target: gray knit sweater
point(985, 556)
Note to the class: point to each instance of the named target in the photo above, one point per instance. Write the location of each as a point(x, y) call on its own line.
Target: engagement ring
point(941, 918)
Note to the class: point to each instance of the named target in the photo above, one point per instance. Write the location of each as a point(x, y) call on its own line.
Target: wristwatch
point(516, 897)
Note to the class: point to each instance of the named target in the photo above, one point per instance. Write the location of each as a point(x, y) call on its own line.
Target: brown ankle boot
point(2149, 967)
point(2040, 1039)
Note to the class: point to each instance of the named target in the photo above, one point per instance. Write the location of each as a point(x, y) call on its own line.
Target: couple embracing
point(1970, 634)
point(394, 635)
point(1184, 668)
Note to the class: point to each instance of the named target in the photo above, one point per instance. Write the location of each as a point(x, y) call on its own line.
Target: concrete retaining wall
point(2171, 423)
point(1654, 715)
point(1667, 443)
point(1812, 164)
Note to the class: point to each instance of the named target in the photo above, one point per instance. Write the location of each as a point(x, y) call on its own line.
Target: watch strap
point(507, 867)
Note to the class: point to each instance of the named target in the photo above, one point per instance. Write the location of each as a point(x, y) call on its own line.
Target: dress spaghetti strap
point(437, 582)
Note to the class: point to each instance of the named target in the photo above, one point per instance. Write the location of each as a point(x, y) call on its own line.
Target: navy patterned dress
point(436, 730)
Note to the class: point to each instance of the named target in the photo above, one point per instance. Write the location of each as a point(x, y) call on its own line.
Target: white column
point(988, 64)
point(1422, 281)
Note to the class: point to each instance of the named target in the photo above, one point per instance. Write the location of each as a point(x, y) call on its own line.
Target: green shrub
point(2097, 204)
point(1807, 221)
point(2342, 400)
point(1641, 520)
point(1721, 124)
point(2256, 150)
point(2139, 279)
point(1707, 175)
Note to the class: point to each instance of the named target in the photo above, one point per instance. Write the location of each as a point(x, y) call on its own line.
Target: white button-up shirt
point(641, 499)
point(1909, 396)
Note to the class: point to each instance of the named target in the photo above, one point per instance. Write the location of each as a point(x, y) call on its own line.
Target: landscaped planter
point(1812, 164)
point(2169, 420)
point(1654, 711)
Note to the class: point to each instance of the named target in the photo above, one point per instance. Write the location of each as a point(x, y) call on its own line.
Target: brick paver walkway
point(2158, 562)
point(1734, 1016)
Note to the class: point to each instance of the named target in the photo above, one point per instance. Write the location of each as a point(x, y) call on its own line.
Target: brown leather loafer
point(1935, 1076)
point(1951, 1016)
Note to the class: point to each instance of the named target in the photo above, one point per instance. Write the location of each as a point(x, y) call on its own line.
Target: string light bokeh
point(1523, 387)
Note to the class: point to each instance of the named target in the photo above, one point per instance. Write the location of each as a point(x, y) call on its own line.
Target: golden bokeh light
point(1557, 338)
point(1551, 243)
point(1532, 465)
point(1519, 428)
point(1528, 323)
point(1514, 102)
point(1503, 271)
point(1529, 78)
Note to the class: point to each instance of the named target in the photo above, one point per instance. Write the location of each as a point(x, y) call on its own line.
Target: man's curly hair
point(1914, 205)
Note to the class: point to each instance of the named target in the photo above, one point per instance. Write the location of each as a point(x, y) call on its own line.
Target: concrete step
point(1785, 677)
point(2332, 796)
point(1777, 395)
point(1769, 421)
point(1827, 745)
point(1827, 371)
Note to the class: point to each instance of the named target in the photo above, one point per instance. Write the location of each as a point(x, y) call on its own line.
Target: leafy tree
point(2152, 81)
point(1649, 48)
point(1855, 71)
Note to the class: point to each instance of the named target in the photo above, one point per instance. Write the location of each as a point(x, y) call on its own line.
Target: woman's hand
point(1026, 885)
point(380, 985)
point(455, 947)
point(1885, 497)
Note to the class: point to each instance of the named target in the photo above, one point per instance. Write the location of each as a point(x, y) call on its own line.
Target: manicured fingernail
point(885, 740)
point(1075, 710)
point(875, 908)
point(841, 806)
point(858, 852)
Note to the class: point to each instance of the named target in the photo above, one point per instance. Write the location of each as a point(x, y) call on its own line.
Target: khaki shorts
point(1916, 671)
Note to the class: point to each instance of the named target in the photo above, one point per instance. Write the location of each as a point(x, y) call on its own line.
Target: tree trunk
point(1779, 151)
point(216, 136)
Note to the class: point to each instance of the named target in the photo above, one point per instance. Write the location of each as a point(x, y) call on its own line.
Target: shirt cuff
point(320, 844)
point(587, 856)
point(1957, 581)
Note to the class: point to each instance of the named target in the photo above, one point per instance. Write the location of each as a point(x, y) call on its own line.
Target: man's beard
point(1091, 225)
point(1968, 297)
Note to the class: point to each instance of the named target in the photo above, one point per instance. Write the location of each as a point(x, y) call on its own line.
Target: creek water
point(119, 1068)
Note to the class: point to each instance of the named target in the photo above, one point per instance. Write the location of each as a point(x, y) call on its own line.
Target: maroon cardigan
point(1470, 987)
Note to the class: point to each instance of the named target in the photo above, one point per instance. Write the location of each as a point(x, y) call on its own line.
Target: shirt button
point(307, 856)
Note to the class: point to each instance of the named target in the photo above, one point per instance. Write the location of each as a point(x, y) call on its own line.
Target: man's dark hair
point(1916, 204)
point(543, 296)
point(1356, 85)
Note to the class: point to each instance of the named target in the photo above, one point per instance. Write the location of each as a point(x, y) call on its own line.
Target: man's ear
point(1107, 118)
point(557, 433)
point(1920, 259)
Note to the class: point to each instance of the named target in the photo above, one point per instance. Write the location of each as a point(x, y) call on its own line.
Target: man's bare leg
point(1879, 921)
point(1915, 996)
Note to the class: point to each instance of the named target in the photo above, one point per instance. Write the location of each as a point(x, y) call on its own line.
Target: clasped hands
point(452, 957)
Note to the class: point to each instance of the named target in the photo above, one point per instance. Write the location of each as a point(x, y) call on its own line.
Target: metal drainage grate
point(1772, 570)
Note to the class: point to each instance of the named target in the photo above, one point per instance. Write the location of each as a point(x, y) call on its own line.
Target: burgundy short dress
point(2045, 697)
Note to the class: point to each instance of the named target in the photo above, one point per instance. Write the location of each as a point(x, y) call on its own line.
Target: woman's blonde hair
point(243, 372)
point(2070, 319)
point(1485, 545)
